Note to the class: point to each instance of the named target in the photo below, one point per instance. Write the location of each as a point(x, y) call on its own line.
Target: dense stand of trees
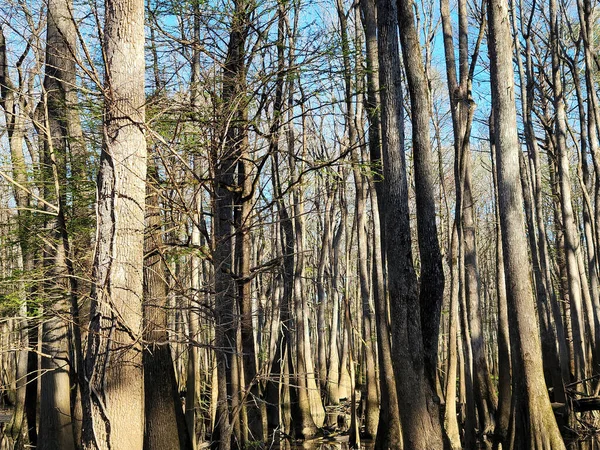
point(247, 222)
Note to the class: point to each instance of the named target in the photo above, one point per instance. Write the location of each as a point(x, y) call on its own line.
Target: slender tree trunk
point(56, 431)
point(333, 374)
point(12, 101)
point(322, 293)
point(165, 426)
point(450, 420)
point(548, 309)
point(503, 413)
point(371, 411)
point(571, 234)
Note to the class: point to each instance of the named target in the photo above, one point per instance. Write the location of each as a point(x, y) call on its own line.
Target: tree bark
point(535, 426)
point(114, 413)
point(56, 430)
point(431, 283)
point(420, 429)
point(165, 426)
point(571, 234)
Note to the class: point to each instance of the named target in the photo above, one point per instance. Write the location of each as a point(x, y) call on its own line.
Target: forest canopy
point(239, 224)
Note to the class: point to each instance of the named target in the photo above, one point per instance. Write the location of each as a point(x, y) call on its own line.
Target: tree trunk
point(13, 103)
point(114, 418)
point(571, 234)
point(450, 420)
point(431, 285)
point(420, 429)
point(56, 431)
point(165, 426)
point(503, 413)
point(388, 430)
point(535, 425)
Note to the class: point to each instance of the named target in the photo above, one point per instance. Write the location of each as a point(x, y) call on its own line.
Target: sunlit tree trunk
point(571, 234)
point(114, 418)
point(450, 420)
point(534, 423)
point(388, 430)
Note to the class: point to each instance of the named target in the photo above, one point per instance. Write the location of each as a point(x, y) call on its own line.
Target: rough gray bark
point(535, 426)
point(571, 234)
point(503, 413)
point(431, 283)
point(388, 430)
point(420, 429)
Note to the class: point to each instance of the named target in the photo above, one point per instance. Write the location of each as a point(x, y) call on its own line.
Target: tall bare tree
point(534, 423)
point(113, 395)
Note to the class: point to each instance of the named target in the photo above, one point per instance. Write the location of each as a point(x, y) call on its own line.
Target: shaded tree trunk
point(165, 426)
point(431, 283)
point(420, 429)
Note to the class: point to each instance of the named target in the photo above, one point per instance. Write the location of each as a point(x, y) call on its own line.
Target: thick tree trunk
point(114, 417)
point(431, 285)
point(535, 425)
point(420, 428)
point(388, 430)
